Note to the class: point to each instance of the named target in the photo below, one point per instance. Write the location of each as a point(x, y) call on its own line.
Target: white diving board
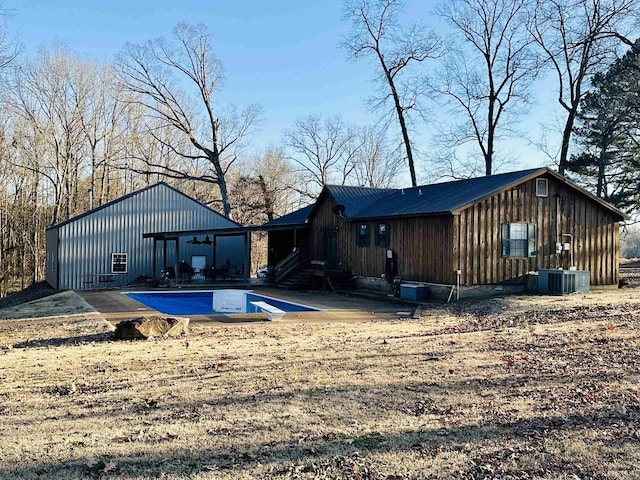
point(273, 313)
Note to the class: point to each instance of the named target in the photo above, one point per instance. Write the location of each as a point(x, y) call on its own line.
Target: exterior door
point(331, 247)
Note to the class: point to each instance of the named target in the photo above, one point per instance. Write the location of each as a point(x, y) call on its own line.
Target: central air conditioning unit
point(561, 282)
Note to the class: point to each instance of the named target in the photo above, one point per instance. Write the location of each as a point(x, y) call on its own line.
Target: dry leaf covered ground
point(521, 387)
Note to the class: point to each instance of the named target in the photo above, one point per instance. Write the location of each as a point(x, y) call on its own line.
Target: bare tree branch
point(579, 38)
point(155, 73)
point(492, 69)
point(375, 32)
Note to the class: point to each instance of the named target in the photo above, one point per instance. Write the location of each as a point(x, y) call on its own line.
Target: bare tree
point(376, 32)
point(261, 190)
point(155, 72)
point(323, 151)
point(579, 38)
point(377, 161)
point(262, 187)
point(46, 101)
point(103, 117)
point(9, 49)
point(493, 68)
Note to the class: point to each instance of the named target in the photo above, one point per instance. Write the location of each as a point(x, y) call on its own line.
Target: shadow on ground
point(68, 341)
point(36, 291)
point(336, 456)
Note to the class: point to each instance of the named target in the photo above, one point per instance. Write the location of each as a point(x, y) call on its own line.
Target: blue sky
point(283, 54)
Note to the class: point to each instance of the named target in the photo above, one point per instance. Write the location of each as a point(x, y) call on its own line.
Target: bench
point(273, 313)
point(106, 278)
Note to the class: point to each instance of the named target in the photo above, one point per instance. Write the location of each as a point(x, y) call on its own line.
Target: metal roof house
point(483, 231)
point(110, 240)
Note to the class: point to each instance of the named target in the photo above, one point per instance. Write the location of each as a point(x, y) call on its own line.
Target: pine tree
point(608, 131)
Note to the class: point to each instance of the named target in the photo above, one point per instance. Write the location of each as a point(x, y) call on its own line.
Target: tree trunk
point(566, 138)
point(488, 154)
point(403, 127)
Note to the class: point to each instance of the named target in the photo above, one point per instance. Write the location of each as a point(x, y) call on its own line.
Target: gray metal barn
point(109, 242)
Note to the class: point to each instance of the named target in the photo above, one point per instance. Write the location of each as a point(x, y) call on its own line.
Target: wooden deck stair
point(297, 280)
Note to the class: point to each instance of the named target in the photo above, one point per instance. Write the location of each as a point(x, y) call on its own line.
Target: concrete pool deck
point(114, 306)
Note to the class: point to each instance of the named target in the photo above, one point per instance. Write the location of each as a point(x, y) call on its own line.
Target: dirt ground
point(526, 387)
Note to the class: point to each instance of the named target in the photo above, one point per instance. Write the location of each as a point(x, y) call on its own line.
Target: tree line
point(76, 133)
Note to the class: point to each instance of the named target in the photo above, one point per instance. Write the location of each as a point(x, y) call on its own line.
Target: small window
point(518, 240)
point(118, 263)
point(362, 235)
point(382, 235)
point(542, 187)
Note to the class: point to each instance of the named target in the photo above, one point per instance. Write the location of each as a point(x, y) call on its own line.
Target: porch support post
point(215, 244)
point(164, 253)
point(155, 253)
point(247, 256)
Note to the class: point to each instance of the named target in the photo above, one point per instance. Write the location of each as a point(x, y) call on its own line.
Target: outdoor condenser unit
point(560, 282)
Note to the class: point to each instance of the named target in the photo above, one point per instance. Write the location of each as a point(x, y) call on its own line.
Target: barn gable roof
point(438, 198)
point(138, 192)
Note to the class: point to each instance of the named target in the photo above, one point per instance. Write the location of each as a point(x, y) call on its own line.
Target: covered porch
point(201, 257)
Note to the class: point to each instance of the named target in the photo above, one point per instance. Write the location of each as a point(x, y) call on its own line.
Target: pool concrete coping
point(114, 306)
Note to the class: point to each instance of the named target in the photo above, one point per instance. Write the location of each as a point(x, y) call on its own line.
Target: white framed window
point(119, 263)
point(518, 240)
point(542, 187)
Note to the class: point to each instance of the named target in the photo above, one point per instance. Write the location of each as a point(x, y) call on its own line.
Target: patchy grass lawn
point(511, 388)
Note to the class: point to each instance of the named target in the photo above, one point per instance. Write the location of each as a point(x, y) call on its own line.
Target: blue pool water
point(200, 302)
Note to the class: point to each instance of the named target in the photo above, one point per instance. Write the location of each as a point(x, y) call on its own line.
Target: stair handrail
point(288, 264)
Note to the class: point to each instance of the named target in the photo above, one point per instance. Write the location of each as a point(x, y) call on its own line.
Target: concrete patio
point(115, 306)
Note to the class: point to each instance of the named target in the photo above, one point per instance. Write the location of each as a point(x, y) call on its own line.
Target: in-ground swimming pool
point(200, 302)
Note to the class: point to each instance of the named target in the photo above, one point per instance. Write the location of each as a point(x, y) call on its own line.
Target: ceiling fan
point(195, 241)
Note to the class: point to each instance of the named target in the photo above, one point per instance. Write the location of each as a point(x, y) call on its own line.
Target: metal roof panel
point(440, 197)
point(294, 218)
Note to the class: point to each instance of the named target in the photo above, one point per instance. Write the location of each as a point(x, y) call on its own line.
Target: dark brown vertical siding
point(592, 220)
point(616, 249)
point(423, 245)
point(502, 266)
point(601, 248)
point(551, 236)
point(430, 249)
point(462, 251)
point(483, 219)
point(478, 251)
point(543, 232)
point(455, 251)
point(606, 246)
point(468, 272)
